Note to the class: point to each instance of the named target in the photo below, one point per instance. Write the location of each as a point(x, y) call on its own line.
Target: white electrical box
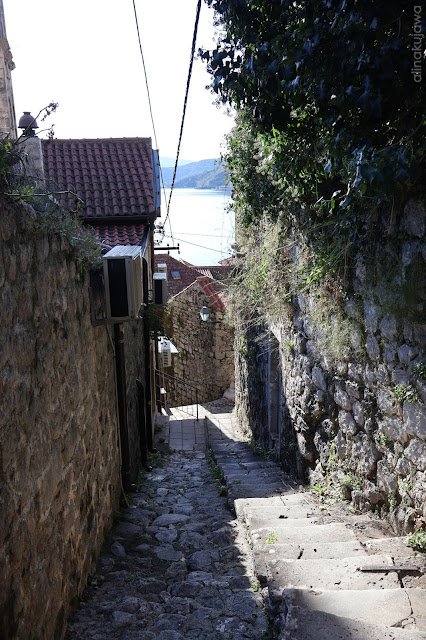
point(162, 267)
point(160, 288)
point(165, 352)
point(123, 282)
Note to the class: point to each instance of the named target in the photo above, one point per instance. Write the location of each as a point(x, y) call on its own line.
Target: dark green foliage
point(330, 113)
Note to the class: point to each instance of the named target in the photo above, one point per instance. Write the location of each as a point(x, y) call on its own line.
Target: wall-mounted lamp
point(205, 314)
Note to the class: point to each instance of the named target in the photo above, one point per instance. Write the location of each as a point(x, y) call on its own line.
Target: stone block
point(342, 399)
point(416, 453)
point(415, 419)
point(365, 455)
point(371, 316)
point(414, 219)
point(347, 424)
point(388, 326)
point(386, 480)
point(372, 348)
point(318, 378)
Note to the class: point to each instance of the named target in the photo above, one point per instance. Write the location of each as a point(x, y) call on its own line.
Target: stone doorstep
point(303, 624)
point(380, 606)
point(316, 534)
point(324, 575)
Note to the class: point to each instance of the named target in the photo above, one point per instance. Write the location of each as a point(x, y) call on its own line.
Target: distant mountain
point(170, 162)
point(204, 174)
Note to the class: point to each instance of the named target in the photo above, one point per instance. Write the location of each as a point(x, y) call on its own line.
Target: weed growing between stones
point(404, 392)
point(417, 540)
point(420, 370)
point(217, 475)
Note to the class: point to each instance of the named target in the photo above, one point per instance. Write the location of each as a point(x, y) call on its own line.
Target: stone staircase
point(325, 574)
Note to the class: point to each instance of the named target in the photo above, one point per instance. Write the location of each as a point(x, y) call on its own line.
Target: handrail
point(178, 389)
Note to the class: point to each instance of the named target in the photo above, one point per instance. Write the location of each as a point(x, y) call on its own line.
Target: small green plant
point(272, 538)
point(217, 475)
point(157, 428)
point(404, 392)
point(382, 439)
point(393, 503)
point(255, 586)
point(417, 540)
point(350, 480)
point(420, 370)
point(289, 346)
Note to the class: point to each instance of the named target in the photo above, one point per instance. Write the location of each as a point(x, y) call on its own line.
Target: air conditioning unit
point(160, 288)
point(123, 282)
point(162, 268)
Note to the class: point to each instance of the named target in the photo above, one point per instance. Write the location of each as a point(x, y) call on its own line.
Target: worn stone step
point(280, 513)
point(252, 479)
point(237, 491)
point(389, 546)
point(316, 534)
point(390, 607)
point(311, 550)
point(330, 576)
point(305, 624)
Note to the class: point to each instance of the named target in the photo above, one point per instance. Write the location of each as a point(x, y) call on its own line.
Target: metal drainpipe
point(120, 366)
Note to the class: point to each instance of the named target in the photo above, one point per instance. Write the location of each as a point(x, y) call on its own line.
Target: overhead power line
point(191, 62)
point(150, 107)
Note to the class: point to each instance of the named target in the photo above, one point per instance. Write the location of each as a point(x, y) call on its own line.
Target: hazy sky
point(85, 55)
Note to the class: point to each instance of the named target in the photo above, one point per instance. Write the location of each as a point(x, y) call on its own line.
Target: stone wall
point(59, 453)
point(206, 355)
point(345, 403)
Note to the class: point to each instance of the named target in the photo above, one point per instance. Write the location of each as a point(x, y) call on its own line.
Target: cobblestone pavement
point(177, 565)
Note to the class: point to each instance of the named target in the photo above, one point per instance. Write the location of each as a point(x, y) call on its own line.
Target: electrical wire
point(150, 107)
point(194, 40)
point(198, 245)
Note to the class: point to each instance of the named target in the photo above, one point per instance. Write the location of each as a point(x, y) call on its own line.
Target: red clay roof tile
point(112, 176)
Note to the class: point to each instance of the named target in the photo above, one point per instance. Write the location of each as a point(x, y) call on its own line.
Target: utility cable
point(198, 245)
point(150, 107)
point(194, 39)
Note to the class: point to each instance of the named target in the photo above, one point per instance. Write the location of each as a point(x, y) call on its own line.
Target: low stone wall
point(59, 452)
point(206, 352)
point(355, 423)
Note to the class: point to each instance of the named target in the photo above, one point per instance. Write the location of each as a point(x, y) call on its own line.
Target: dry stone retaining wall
point(357, 422)
point(59, 455)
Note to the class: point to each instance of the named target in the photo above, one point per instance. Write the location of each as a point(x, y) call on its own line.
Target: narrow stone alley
point(177, 564)
point(219, 544)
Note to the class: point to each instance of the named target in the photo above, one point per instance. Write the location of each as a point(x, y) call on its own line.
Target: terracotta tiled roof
point(112, 176)
point(114, 235)
point(188, 273)
point(215, 296)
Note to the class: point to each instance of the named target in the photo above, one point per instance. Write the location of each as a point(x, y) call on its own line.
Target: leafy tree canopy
point(334, 76)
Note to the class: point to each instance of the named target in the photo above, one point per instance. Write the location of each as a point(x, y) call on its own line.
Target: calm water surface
point(200, 217)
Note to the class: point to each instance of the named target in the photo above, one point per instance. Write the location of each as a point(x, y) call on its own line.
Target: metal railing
point(174, 392)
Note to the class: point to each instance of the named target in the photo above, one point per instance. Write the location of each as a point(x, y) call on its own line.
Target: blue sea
point(201, 224)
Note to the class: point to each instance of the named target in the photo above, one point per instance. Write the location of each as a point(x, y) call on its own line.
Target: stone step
point(389, 607)
point(316, 534)
point(311, 550)
point(323, 575)
point(395, 547)
point(305, 624)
